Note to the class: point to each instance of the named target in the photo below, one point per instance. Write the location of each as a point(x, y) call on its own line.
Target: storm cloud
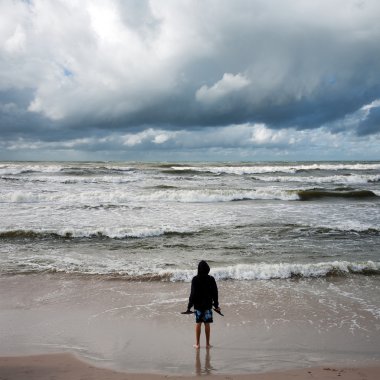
point(171, 74)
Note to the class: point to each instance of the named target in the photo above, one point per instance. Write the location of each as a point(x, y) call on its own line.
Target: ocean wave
point(172, 194)
point(63, 169)
point(184, 171)
point(111, 179)
point(98, 170)
point(310, 194)
point(352, 179)
point(160, 195)
point(6, 170)
point(133, 176)
point(87, 168)
point(275, 168)
point(239, 272)
point(10, 179)
point(141, 233)
point(211, 196)
point(94, 233)
point(266, 271)
point(345, 228)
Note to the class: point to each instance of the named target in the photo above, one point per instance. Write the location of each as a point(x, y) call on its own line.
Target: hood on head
point(203, 268)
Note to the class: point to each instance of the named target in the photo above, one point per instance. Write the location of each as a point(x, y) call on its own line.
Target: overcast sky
point(189, 80)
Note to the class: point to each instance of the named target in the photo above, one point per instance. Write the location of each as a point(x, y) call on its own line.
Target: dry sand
point(68, 367)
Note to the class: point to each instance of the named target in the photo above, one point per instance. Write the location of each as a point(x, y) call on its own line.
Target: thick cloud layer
point(70, 70)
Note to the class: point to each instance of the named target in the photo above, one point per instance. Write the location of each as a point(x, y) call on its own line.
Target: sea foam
point(149, 272)
point(266, 271)
point(290, 169)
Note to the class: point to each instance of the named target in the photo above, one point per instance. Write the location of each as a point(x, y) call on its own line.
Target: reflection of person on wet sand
point(203, 296)
point(198, 366)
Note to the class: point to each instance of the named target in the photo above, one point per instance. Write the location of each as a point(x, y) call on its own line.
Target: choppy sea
point(294, 247)
point(155, 221)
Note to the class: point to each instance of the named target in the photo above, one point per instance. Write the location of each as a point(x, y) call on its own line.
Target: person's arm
point(215, 294)
point(191, 298)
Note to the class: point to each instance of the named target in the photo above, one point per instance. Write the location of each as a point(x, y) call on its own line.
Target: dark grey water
point(156, 221)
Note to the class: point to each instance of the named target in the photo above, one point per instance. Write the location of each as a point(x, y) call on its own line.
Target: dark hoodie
point(204, 292)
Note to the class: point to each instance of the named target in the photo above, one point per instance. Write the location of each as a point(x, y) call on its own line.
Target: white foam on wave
point(291, 169)
point(150, 269)
point(15, 169)
point(58, 168)
point(112, 179)
point(348, 225)
point(353, 179)
point(264, 271)
point(21, 197)
point(91, 232)
point(177, 195)
point(209, 196)
point(122, 233)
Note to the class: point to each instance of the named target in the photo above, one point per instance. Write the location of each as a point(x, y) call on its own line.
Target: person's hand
point(217, 309)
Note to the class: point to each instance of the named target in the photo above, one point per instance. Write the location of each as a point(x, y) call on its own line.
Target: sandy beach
point(136, 327)
point(68, 367)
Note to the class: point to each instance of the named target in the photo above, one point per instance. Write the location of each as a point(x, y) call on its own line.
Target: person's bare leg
point(197, 334)
point(207, 331)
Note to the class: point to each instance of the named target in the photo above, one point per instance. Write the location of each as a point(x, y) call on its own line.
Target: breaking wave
point(97, 233)
point(75, 170)
point(352, 179)
point(275, 168)
point(264, 271)
point(101, 168)
point(105, 233)
point(240, 272)
point(111, 179)
point(163, 195)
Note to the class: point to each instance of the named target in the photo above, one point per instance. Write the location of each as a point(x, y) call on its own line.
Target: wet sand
point(135, 327)
point(68, 367)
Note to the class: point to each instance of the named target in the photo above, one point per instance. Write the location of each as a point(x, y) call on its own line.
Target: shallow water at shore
point(137, 326)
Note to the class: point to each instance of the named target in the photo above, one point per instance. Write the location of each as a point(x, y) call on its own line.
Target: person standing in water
point(203, 296)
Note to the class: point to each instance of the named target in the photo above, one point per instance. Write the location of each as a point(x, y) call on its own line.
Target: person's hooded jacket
point(204, 291)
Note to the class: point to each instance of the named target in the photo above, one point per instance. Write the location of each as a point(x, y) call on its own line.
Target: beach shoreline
point(67, 366)
point(136, 327)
